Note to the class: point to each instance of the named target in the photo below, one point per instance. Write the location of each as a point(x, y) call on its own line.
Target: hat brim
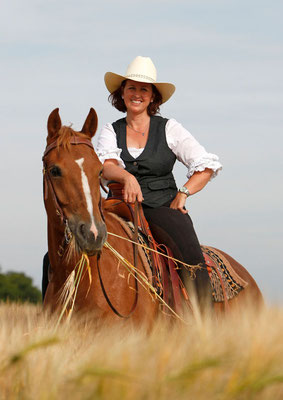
point(113, 82)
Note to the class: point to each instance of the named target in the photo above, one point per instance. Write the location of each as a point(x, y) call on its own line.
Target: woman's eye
point(55, 171)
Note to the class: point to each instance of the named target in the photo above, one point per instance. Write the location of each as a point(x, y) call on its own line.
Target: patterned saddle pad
point(222, 270)
point(222, 275)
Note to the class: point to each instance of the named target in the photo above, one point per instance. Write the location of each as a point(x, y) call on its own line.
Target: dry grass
point(239, 357)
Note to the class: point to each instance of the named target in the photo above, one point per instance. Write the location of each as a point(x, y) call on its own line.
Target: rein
point(135, 242)
point(109, 301)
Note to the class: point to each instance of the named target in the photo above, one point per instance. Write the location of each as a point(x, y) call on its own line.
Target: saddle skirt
point(222, 275)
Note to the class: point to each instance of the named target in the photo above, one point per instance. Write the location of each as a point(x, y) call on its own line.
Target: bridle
point(46, 174)
point(48, 186)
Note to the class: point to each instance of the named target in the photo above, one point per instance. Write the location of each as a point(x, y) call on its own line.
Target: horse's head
point(72, 184)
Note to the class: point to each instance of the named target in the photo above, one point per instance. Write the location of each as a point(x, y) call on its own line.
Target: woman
point(140, 150)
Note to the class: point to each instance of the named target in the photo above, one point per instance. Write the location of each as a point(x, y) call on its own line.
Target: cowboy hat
point(141, 69)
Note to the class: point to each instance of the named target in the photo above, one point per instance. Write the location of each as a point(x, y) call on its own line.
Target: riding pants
point(176, 230)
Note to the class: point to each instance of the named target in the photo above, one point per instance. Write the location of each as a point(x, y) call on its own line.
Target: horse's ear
point(54, 123)
point(90, 124)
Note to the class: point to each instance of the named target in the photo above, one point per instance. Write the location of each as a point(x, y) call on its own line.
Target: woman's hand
point(179, 202)
point(197, 182)
point(131, 190)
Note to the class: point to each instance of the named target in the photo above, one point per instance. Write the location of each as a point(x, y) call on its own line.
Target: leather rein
point(75, 140)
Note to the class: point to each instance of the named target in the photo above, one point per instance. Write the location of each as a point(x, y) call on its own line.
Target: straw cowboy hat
point(141, 69)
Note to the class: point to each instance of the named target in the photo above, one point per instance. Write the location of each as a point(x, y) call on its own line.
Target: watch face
point(184, 190)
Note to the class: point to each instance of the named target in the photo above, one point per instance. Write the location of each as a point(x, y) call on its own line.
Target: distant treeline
point(16, 286)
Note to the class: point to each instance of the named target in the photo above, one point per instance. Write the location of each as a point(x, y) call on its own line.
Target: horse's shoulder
point(114, 222)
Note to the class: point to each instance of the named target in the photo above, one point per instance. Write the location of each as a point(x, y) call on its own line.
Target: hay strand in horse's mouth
point(70, 289)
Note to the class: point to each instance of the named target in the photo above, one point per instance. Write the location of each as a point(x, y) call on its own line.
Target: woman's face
point(137, 96)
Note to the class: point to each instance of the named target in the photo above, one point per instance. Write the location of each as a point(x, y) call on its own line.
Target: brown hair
point(115, 98)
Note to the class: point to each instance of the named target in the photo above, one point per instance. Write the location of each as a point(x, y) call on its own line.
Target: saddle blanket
point(220, 269)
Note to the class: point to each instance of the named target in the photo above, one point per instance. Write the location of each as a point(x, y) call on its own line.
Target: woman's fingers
point(179, 203)
point(132, 190)
point(132, 197)
point(140, 197)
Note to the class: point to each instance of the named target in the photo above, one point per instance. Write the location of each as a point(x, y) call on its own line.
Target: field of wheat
point(236, 357)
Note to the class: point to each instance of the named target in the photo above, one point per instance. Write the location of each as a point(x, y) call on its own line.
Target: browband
point(73, 140)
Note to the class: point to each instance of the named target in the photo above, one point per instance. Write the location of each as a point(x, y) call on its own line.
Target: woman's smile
point(137, 95)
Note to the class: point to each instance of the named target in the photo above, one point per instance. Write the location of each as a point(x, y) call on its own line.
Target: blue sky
point(226, 60)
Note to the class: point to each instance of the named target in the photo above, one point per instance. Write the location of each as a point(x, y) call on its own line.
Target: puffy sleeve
point(107, 146)
point(188, 150)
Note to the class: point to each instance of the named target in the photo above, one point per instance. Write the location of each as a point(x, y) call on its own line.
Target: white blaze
point(88, 197)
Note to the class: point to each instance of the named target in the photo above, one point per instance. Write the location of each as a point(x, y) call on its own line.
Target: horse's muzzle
point(89, 240)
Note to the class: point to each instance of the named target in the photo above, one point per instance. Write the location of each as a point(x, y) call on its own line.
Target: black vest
point(153, 168)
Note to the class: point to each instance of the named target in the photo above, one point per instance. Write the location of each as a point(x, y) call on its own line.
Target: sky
point(226, 60)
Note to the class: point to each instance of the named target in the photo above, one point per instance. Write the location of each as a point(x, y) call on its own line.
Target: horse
point(73, 205)
point(79, 225)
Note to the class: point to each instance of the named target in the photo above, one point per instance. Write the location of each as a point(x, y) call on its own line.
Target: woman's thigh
point(176, 230)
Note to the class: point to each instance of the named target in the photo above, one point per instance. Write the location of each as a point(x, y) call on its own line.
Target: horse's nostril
point(82, 230)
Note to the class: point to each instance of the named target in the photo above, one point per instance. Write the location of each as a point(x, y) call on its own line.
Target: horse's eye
point(55, 171)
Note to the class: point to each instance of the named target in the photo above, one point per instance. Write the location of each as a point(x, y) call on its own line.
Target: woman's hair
point(115, 98)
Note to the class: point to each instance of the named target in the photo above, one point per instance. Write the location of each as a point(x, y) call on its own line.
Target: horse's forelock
point(65, 133)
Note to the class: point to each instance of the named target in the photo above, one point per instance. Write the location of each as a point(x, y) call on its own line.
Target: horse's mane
point(65, 133)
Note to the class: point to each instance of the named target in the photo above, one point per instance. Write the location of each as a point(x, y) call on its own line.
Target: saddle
point(225, 282)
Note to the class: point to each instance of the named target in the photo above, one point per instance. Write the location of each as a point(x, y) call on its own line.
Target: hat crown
point(142, 69)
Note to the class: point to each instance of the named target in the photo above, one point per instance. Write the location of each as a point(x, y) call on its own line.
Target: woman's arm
point(194, 185)
point(189, 151)
point(113, 166)
point(131, 188)
point(202, 166)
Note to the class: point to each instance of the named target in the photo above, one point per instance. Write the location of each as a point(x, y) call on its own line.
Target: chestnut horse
point(73, 204)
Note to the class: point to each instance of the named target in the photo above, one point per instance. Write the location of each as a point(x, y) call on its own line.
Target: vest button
point(135, 163)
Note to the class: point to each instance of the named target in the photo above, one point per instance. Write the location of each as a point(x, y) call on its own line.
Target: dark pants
point(176, 231)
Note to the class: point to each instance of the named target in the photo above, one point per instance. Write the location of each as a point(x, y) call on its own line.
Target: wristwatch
point(183, 189)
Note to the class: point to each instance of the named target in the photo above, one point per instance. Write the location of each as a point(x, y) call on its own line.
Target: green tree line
point(16, 286)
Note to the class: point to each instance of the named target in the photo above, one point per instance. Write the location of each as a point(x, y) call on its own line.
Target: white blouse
point(179, 140)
